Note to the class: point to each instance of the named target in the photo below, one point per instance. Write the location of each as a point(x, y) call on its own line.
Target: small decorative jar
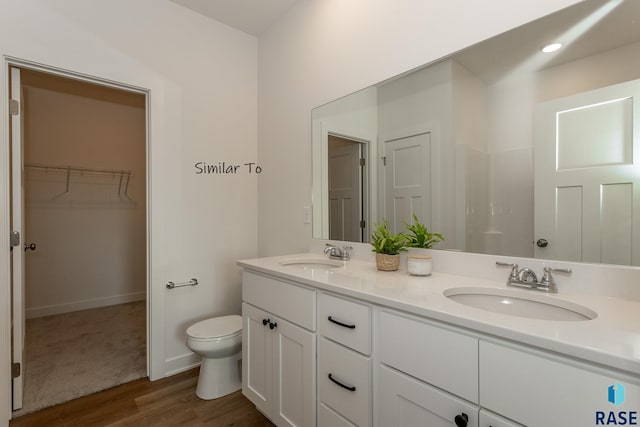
point(419, 265)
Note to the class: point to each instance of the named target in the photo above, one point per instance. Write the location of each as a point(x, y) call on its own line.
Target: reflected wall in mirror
point(502, 148)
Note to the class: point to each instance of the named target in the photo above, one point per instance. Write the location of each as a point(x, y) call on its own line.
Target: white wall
point(202, 78)
point(322, 50)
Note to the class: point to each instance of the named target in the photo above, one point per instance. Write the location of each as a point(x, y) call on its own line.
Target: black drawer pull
point(461, 420)
point(344, 325)
point(350, 388)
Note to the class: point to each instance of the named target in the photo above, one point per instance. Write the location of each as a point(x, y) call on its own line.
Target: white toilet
point(219, 342)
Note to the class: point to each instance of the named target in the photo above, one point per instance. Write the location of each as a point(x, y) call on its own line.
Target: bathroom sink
point(521, 304)
point(312, 263)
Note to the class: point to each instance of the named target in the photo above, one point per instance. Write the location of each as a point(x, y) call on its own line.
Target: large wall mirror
point(504, 149)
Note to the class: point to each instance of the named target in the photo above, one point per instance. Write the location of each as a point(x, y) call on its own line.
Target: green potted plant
point(387, 246)
point(419, 263)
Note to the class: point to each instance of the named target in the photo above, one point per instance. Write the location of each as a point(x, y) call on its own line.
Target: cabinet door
point(256, 358)
point(540, 390)
point(488, 419)
point(294, 368)
point(403, 401)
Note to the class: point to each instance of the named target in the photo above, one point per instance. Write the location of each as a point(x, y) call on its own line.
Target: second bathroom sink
point(520, 303)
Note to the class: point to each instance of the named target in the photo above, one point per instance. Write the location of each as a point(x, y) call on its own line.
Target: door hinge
point(363, 162)
point(15, 370)
point(14, 239)
point(14, 107)
point(384, 161)
point(363, 223)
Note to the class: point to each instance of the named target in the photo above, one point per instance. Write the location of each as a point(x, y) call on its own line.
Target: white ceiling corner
point(250, 16)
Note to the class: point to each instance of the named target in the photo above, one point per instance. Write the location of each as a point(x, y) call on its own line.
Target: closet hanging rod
point(81, 170)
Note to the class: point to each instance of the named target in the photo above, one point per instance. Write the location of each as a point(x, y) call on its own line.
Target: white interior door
point(407, 180)
point(587, 186)
point(345, 201)
point(17, 225)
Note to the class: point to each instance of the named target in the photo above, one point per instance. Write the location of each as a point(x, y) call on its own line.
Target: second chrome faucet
point(527, 278)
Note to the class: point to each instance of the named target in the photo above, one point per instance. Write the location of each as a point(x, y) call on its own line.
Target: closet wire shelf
point(125, 175)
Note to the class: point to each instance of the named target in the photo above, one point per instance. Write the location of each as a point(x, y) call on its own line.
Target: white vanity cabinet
point(537, 388)
point(344, 363)
point(371, 364)
point(428, 374)
point(278, 349)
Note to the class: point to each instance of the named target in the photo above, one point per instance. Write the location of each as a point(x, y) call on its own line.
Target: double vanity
point(338, 343)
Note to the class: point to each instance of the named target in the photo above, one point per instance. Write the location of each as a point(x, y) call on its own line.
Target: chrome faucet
point(526, 277)
point(337, 253)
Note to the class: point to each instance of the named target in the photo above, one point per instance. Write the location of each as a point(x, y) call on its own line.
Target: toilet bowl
point(219, 341)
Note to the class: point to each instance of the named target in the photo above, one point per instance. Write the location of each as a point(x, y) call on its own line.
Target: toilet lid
point(216, 327)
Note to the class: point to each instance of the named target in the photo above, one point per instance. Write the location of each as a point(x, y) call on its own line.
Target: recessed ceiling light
point(551, 47)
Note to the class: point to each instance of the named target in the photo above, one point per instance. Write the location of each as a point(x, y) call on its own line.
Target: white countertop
point(611, 339)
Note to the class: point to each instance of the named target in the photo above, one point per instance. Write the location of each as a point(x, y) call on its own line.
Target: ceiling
point(251, 16)
point(586, 28)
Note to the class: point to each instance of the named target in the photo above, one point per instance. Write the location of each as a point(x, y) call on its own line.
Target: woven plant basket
point(386, 262)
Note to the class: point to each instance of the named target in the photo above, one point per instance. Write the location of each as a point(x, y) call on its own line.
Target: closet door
point(17, 226)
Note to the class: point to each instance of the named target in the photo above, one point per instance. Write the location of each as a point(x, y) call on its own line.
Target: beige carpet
point(74, 354)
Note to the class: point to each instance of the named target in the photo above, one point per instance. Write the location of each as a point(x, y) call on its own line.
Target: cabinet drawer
point(538, 389)
point(294, 303)
point(438, 356)
point(327, 417)
point(488, 419)
point(346, 322)
point(350, 369)
point(403, 401)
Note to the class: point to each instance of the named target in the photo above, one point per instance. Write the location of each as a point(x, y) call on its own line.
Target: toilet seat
point(216, 328)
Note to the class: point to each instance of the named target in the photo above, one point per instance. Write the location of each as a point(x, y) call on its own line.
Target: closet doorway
point(83, 311)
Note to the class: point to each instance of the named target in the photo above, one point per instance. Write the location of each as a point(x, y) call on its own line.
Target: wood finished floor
point(168, 402)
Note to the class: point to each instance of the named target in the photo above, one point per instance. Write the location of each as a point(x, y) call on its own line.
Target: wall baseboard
point(49, 310)
point(182, 363)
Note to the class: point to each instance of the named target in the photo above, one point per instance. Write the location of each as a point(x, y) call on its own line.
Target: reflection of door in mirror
point(587, 200)
point(347, 182)
point(407, 180)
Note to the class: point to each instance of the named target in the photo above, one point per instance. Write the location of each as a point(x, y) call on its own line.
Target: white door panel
point(587, 189)
point(17, 225)
point(344, 192)
point(407, 180)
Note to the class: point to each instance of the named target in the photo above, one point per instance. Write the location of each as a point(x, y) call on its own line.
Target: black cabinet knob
point(542, 243)
point(273, 325)
point(265, 321)
point(461, 420)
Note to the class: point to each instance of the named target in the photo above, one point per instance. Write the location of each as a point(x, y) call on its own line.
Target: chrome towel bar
point(192, 282)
